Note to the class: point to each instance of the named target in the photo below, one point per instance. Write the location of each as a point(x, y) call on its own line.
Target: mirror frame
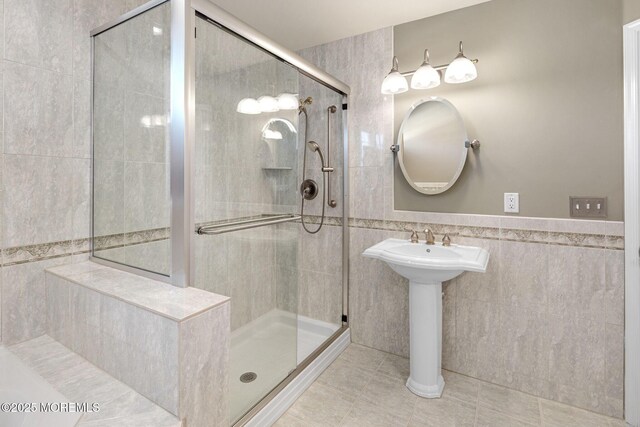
point(400, 142)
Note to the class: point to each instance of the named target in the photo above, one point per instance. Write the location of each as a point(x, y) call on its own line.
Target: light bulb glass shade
point(461, 70)
point(268, 104)
point(248, 106)
point(288, 101)
point(394, 83)
point(425, 77)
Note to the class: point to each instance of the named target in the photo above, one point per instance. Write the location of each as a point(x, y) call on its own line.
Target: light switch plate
point(511, 202)
point(588, 207)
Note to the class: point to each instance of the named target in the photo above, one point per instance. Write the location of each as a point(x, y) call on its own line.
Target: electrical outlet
point(511, 203)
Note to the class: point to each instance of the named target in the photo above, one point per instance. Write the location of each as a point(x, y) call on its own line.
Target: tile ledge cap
point(74, 278)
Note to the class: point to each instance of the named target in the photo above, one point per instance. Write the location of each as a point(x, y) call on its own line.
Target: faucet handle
point(446, 240)
point(414, 235)
point(431, 240)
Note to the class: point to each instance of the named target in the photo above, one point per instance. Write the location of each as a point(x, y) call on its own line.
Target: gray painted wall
point(631, 10)
point(547, 104)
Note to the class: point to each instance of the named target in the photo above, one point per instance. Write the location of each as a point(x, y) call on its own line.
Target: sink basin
point(426, 267)
point(428, 263)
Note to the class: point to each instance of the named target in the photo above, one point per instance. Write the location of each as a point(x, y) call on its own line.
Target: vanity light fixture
point(460, 70)
point(425, 77)
point(394, 82)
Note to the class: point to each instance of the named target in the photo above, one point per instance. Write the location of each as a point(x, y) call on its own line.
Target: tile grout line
point(359, 398)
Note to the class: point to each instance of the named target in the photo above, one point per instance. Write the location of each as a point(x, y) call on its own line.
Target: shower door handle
point(246, 224)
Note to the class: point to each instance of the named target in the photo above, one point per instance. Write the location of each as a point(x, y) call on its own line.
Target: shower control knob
point(308, 189)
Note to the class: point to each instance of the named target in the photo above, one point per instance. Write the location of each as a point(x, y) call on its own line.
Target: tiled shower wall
point(546, 318)
point(45, 166)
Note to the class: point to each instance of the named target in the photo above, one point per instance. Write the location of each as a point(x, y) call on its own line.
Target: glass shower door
point(245, 179)
point(263, 128)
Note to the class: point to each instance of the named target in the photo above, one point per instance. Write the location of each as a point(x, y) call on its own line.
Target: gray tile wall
point(45, 146)
point(101, 329)
point(179, 363)
point(546, 318)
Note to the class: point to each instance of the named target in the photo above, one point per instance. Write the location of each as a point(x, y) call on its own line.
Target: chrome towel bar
point(245, 224)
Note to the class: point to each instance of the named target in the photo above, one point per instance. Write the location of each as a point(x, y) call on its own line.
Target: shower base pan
point(265, 348)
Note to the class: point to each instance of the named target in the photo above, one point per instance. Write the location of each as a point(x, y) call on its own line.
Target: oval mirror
point(432, 142)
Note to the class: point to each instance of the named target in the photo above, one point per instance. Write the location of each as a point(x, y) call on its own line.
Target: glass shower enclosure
point(219, 162)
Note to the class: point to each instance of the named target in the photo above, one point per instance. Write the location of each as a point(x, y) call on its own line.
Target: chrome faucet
point(446, 240)
point(431, 240)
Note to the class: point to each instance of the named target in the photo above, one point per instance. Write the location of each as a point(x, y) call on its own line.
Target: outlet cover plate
point(511, 202)
point(588, 207)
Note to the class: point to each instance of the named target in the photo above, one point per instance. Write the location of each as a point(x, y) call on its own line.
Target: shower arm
point(332, 203)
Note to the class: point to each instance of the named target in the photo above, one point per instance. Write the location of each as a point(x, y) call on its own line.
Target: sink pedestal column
point(425, 317)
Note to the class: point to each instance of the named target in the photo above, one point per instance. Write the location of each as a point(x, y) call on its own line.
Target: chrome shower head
point(302, 107)
point(313, 146)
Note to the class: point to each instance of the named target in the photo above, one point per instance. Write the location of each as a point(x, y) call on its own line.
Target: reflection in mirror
point(279, 160)
point(280, 138)
point(432, 146)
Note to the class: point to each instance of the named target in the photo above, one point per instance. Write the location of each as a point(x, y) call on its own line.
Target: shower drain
point(247, 377)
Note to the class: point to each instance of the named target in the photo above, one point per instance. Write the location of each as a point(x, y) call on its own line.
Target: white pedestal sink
point(426, 267)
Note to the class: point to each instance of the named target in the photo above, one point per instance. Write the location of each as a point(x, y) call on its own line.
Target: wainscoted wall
point(44, 161)
point(546, 318)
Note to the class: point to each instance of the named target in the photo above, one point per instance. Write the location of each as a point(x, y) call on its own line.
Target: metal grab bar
point(246, 224)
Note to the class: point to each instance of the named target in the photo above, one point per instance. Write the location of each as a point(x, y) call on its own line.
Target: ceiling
point(297, 24)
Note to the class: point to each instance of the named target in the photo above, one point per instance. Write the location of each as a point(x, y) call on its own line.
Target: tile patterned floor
point(365, 387)
point(80, 381)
